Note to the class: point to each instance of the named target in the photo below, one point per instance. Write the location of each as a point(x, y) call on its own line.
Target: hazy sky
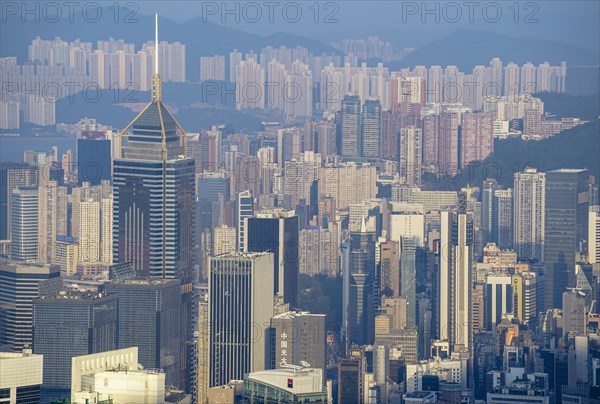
point(577, 21)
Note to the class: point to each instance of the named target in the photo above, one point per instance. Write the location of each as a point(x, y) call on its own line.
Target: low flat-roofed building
point(291, 384)
point(20, 377)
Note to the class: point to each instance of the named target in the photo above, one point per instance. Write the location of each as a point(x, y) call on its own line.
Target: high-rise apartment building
point(52, 219)
point(477, 137)
point(411, 155)
point(529, 214)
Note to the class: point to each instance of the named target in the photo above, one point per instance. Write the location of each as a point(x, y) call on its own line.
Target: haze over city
point(299, 202)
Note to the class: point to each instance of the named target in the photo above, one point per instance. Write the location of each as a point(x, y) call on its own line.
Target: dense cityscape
point(329, 220)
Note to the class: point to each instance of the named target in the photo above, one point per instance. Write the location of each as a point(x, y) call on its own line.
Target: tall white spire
point(156, 82)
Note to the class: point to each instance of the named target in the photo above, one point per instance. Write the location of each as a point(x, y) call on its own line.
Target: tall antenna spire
point(156, 81)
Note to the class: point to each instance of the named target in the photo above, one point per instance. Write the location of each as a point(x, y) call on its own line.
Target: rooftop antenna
point(156, 81)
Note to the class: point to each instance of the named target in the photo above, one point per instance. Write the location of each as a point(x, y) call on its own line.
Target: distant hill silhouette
point(200, 38)
point(466, 49)
point(586, 107)
point(575, 148)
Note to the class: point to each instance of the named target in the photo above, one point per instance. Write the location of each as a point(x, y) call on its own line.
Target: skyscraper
point(93, 160)
point(594, 234)
point(411, 155)
point(277, 232)
point(487, 210)
point(19, 285)
point(299, 337)
point(153, 199)
point(503, 219)
point(350, 128)
point(567, 209)
point(371, 128)
point(529, 214)
point(71, 323)
point(448, 160)
point(12, 176)
point(245, 209)
point(456, 259)
point(24, 224)
point(361, 285)
point(240, 301)
point(477, 137)
point(52, 219)
point(148, 318)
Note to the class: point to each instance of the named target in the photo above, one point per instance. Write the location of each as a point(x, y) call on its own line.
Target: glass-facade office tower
point(148, 318)
point(153, 208)
point(240, 302)
point(350, 143)
point(19, 285)
point(277, 233)
point(93, 161)
point(567, 208)
point(71, 323)
point(361, 286)
point(245, 209)
point(371, 128)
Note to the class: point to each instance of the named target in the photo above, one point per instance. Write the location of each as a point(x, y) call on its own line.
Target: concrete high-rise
point(567, 209)
point(299, 337)
point(24, 224)
point(411, 155)
point(529, 214)
point(52, 219)
point(477, 137)
point(594, 234)
point(277, 232)
point(12, 176)
point(502, 230)
point(240, 301)
point(455, 268)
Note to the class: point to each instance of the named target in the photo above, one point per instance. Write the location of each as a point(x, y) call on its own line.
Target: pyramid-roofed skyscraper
point(153, 205)
point(154, 193)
